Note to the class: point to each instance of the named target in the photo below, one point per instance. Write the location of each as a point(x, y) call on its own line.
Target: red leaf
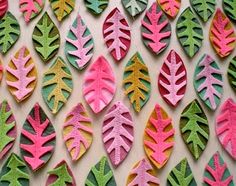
point(3, 7)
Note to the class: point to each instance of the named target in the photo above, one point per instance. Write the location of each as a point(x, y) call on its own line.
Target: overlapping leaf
point(230, 8)
point(232, 73)
point(1, 71)
point(170, 7)
point(135, 7)
point(96, 6)
point(3, 7)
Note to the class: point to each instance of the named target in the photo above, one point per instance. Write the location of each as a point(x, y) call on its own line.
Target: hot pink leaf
point(3, 7)
point(170, 7)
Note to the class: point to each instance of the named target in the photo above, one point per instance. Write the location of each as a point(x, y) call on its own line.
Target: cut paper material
point(38, 138)
point(172, 80)
point(231, 73)
point(118, 133)
point(96, 6)
point(79, 44)
point(222, 36)
point(116, 33)
point(21, 75)
point(77, 132)
point(194, 128)
point(142, 174)
point(189, 32)
point(159, 137)
point(10, 32)
point(7, 127)
point(217, 172)
point(229, 7)
point(99, 85)
point(1, 71)
point(226, 127)
point(3, 7)
point(135, 7)
point(155, 29)
point(101, 174)
point(170, 7)
point(46, 38)
point(208, 81)
point(57, 85)
point(14, 172)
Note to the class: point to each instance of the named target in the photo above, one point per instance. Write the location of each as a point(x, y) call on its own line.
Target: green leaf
point(229, 7)
point(96, 6)
point(232, 73)
point(135, 7)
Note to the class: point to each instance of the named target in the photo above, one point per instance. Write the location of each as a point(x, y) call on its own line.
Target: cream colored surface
point(154, 63)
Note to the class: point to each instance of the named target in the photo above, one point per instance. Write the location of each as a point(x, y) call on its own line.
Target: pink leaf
point(3, 7)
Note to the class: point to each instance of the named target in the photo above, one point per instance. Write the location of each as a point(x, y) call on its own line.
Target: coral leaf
point(135, 7)
point(96, 6)
point(170, 7)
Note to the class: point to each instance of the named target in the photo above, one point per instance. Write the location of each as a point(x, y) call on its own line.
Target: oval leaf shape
point(172, 80)
point(189, 32)
point(229, 7)
point(46, 38)
point(1, 71)
point(170, 7)
point(38, 138)
point(208, 81)
point(21, 75)
point(231, 73)
point(222, 35)
point(135, 7)
point(194, 128)
point(96, 6)
point(77, 132)
point(116, 34)
point(118, 133)
point(3, 7)
point(99, 85)
point(137, 82)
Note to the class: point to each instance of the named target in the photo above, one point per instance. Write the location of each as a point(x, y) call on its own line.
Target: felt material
point(194, 128)
point(57, 85)
point(170, 7)
point(142, 174)
point(38, 138)
point(118, 133)
point(172, 80)
point(159, 137)
point(96, 6)
point(137, 82)
point(155, 29)
point(229, 7)
point(226, 127)
point(135, 7)
point(116, 33)
point(1, 71)
point(77, 132)
point(3, 7)
point(10, 32)
point(208, 81)
point(231, 73)
point(79, 44)
point(99, 85)
point(46, 38)
point(189, 32)
point(21, 75)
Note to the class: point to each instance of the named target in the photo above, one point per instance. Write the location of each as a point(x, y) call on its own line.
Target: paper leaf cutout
point(172, 79)
point(194, 128)
point(229, 7)
point(57, 85)
point(37, 139)
point(135, 7)
point(10, 32)
point(3, 7)
point(156, 29)
point(189, 32)
point(31, 8)
point(7, 127)
point(46, 38)
point(21, 75)
point(226, 127)
point(137, 82)
point(208, 81)
point(222, 36)
point(116, 33)
point(217, 172)
point(142, 174)
point(170, 7)
point(1, 71)
point(101, 175)
point(96, 6)
point(14, 172)
point(61, 175)
point(79, 44)
point(118, 133)
point(181, 175)
point(99, 85)
point(232, 73)
point(77, 132)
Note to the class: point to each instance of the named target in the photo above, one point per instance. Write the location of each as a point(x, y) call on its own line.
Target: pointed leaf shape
point(37, 139)
point(99, 85)
point(96, 6)
point(77, 132)
point(79, 44)
point(189, 32)
point(222, 35)
point(170, 7)
point(231, 73)
point(172, 80)
point(156, 29)
point(208, 81)
point(229, 7)
point(57, 85)
point(1, 71)
point(142, 174)
point(194, 128)
point(46, 38)
point(137, 82)
point(116, 33)
point(135, 7)
point(14, 172)
point(3, 7)
point(101, 174)
point(118, 133)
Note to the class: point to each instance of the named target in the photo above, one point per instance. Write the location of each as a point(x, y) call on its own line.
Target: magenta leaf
point(3, 7)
